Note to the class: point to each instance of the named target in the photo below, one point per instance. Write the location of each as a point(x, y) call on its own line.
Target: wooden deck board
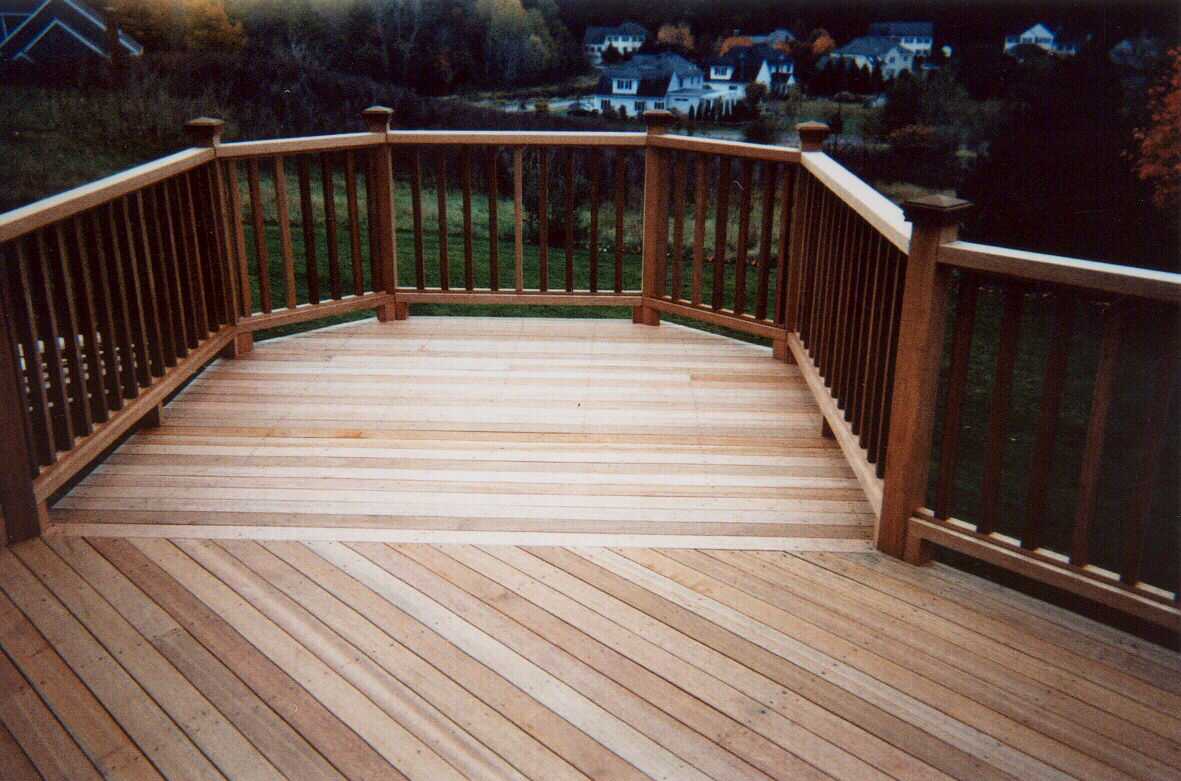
point(520, 583)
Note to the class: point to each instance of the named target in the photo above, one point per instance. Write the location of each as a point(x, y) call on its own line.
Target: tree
point(677, 36)
point(611, 55)
point(821, 42)
point(1158, 156)
point(200, 25)
point(733, 41)
point(756, 93)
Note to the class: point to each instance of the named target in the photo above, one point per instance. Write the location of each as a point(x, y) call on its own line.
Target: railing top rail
point(58, 207)
point(718, 146)
point(874, 207)
point(1090, 274)
point(516, 138)
point(301, 144)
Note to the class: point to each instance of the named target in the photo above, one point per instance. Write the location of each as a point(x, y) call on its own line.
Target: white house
point(916, 37)
point(47, 32)
point(652, 82)
point(728, 76)
point(1044, 38)
point(871, 52)
point(626, 38)
point(779, 36)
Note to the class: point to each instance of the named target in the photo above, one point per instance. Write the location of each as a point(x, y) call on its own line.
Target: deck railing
point(115, 293)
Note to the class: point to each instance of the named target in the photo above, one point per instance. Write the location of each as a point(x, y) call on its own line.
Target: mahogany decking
point(493, 425)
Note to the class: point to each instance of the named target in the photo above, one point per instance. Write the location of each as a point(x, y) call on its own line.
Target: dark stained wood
point(193, 296)
point(493, 222)
point(1089, 474)
point(116, 303)
point(145, 366)
point(957, 387)
point(173, 264)
point(543, 219)
point(371, 219)
point(49, 333)
point(680, 185)
point(620, 206)
point(441, 218)
point(469, 273)
point(67, 313)
point(156, 266)
point(700, 199)
point(21, 520)
point(1053, 383)
point(782, 291)
point(328, 187)
point(19, 302)
point(262, 257)
point(284, 218)
point(864, 415)
point(307, 218)
point(89, 319)
point(766, 230)
point(849, 357)
point(998, 416)
point(224, 243)
point(742, 259)
point(350, 189)
point(196, 259)
point(416, 213)
point(570, 220)
point(596, 173)
point(893, 315)
point(721, 223)
point(245, 293)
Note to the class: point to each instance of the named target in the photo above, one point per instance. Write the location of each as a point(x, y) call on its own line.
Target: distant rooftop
point(867, 46)
point(596, 35)
point(902, 29)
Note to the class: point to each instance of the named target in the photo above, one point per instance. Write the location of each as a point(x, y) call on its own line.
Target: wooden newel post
point(23, 515)
point(655, 217)
point(812, 135)
point(204, 131)
point(916, 372)
point(377, 120)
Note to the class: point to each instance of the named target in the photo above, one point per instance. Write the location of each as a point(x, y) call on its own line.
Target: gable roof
point(653, 71)
point(746, 61)
point(57, 30)
point(867, 46)
point(596, 35)
point(902, 29)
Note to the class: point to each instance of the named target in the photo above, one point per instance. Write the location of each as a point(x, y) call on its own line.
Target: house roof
point(902, 29)
point(747, 60)
point(58, 30)
point(599, 34)
point(867, 46)
point(653, 71)
point(780, 35)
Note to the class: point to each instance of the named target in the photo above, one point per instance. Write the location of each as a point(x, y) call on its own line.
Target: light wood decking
point(489, 549)
point(492, 425)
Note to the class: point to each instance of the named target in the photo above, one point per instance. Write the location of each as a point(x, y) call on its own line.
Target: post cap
point(812, 135)
point(377, 118)
point(204, 131)
point(659, 121)
point(936, 210)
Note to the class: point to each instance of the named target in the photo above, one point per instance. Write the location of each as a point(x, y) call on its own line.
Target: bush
point(763, 130)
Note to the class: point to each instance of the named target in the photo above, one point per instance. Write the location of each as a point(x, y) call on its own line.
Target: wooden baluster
point(519, 218)
point(328, 188)
point(1053, 384)
point(815, 271)
point(196, 261)
point(680, 184)
point(767, 228)
point(916, 371)
point(227, 263)
point(89, 324)
point(743, 256)
point(307, 220)
point(441, 219)
point(416, 211)
point(156, 293)
point(569, 220)
point(823, 283)
point(284, 220)
point(892, 334)
point(172, 271)
point(207, 241)
point(1155, 430)
point(795, 234)
point(493, 222)
point(870, 385)
point(998, 416)
point(721, 223)
point(261, 252)
point(700, 196)
point(350, 190)
point(786, 209)
point(542, 219)
point(222, 294)
point(957, 385)
point(22, 517)
point(147, 339)
point(24, 317)
point(809, 255)
point(620, 206)
point(67, 318)
point(596, 165)
point(121, 312)
point(108, 315)
point(372, 223)
point(1088, 480)
point(469, 272)
point(47, 328)
point(246, 292)
point(836, 319)
point(850, 346)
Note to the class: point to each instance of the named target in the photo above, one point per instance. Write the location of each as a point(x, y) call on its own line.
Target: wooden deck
point(493, 425)
point(456, 548)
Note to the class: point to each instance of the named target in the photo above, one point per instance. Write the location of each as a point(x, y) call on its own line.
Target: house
point(652, 81)
point(915, 37)
point(871, 52)
point(1041, 35)
point(1138, 54)
point(44, 32)
point(729, 75)
point(779, 37)
point(626, 38)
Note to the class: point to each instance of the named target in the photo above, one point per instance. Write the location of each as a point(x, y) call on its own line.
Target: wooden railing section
point(114, 294)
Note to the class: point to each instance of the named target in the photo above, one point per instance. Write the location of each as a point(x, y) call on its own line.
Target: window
point(658, 105)
point(604, 105)
point(641, 105)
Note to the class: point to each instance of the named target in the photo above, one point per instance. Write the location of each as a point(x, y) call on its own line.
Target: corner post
point(920, 343)
point(377, 121)
point(23, 516)
point(812, 136)
point(655, 217)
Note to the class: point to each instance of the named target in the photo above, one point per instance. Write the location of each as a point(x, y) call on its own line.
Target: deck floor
point(437, 631)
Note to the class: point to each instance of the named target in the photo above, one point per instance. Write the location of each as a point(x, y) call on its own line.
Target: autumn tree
point(732, 42)
point(677, 36)
point(821, 42)
point(200, 25)
point(1158, 158)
